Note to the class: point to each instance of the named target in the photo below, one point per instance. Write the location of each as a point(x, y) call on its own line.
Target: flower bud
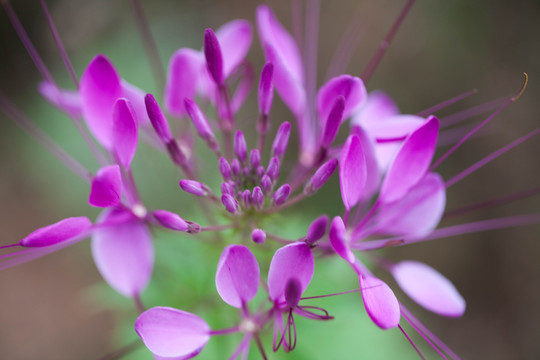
point(332, 123)
point(224, 168)
point(282, 194)
point(201, 124)
point(158, 119)
point(321, 176)
point(240, 147)
point(171, 220)
point(194, 187)
point(254, 158)
point(266, 184)
point(266, 89)
point(230, 203)
point(317, 229)
point(273, 168)
point(214, 58)
point(281, 140)
point(257, 197)
point(258, 236)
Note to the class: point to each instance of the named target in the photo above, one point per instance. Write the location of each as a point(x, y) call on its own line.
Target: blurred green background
point(58, 307)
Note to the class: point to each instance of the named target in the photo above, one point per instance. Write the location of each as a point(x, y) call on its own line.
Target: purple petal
point(376, 108)
point(291, 261)
point(352, 171)
point(320, 177)
point(350, 87)
point(429, 288)
point(124, 254)
point(106, 187)
point(411, 162)
point(380, 302)
point(213, 56)
point(282, 194)
point(158, 119)
point(136, 98)
point(58, 232)
point(185, 69)
point(99, 89)
point(280, 49)
point(235, 40)
point(65, 100)
point(266, 89)
point(338, 240)
point(331, 125)
point(237, 275)
point(373, 172)
point(172, 333)
point(395, 127)
point(124, 132)
point(317, 229)
point(416, 214)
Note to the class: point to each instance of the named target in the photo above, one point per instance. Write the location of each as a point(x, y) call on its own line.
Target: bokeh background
point(58, 307)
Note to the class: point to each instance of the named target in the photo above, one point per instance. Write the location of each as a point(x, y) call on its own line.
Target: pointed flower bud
point(106, 187)
point(321, 176)
point(240, 147)
point(171, 220)
point(266, 89)
point(282, 194)
point(266, 184)
point(273, 168)
point(63, 230)
point(214, 58)
point(317, 229)
point(230, 203)
point(158, 119)
point(235, 167)
point(224, 168)
point(193, 228)
point(257, 197)
point(254, 158)
point(332, 122)
point(258, 236)
point(194, 187)
point(226, 188)
point(260, 171)
point(293, 292)
point(246, 198)
point(201, 124)
point(281, 140)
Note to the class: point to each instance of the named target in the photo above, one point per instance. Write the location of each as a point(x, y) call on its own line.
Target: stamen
point(446, 103)
point(40, 65)
point(20, 119)
point(490, 158)
point(138, 303)
point(383, 46)
point(479, 126)
point(329, 295)
point(59, 44)
point(460, 116)
point(412, 343)
point(148, 43)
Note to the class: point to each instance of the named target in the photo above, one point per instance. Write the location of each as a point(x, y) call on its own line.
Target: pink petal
point(65, 100)
point(376, 108)
point(172, 333)
point(350, 87)
point(395, 127)
point(237, 275)
point(411, 162)
point(352, 171)
point(429, 288)
point(338, 240)
point(106, 187)
point(280, 49)
point(185, 69)
point(99, 89)
point(293, 260)
point(373, 172)
point(235, 40)
point(417, 213)
point(63, 230)
point(124, 132)
point(124, 254)
point(136, 98)
point(380, 302)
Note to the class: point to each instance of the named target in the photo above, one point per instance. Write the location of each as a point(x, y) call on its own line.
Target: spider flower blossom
point(389, 189)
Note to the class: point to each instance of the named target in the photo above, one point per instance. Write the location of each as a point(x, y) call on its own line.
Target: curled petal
point(291, 261)
point(124, 132)
point(63, 230)
point(172, 333)
point(411, 161)
point(235, 40)
point(124, 254)
point(352, 171)
point(338, 240)
point(100, 87)
point(350, 87)
point(429, 288)
point(380, 302)
point(106, 187)
point(185, 69)
point(416, 214)
point(237, 275)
